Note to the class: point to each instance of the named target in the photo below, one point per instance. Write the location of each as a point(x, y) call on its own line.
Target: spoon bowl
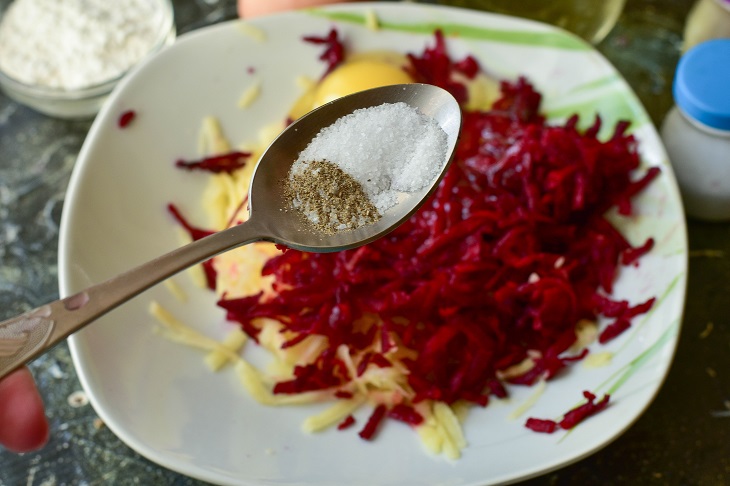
point(25, 337)
point(269, 205)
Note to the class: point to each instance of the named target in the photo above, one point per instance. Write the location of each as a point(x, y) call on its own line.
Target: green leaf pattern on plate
point(550, 39)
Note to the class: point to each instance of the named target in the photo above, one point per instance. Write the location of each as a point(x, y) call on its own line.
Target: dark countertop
point(682, 439)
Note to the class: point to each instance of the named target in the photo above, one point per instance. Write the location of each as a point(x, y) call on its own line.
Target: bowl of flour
point(63, 58)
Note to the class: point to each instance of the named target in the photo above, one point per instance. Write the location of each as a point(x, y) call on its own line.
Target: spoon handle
point(27, 336)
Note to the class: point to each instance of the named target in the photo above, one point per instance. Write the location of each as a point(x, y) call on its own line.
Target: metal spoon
point(29, 335)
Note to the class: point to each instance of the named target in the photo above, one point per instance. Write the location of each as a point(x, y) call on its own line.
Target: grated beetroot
point(405, 413)
point(126, 118)
point(502, 262)
point(371, 427)
point(434, 66)
point(334, 52)
point(511, 252)
point(348, 422)
point(228, 162)
point(545, 426)
point(572, 417)
point(196, 234)
point(623, 320)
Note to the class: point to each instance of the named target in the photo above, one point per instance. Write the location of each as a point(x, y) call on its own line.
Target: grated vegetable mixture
point(487, 285)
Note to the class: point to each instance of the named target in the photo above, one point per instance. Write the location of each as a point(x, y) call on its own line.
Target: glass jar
point(590, 20)
point(696, 132)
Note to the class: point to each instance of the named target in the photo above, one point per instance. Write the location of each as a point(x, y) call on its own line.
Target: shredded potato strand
point(442, 433)
point(177, 331)
point(333, 415)
point(252, 379)
point(234, 342)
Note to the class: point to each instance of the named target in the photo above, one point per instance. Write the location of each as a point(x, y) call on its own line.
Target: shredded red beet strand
point(405, 413)
point(434, 66)
point(334, 52)
point(126, 118)
point(348, 422)
point(633, 254)
point(545, 426)
point(228, 162)
point(371, 427)
point(572, 417)
point(196, 234)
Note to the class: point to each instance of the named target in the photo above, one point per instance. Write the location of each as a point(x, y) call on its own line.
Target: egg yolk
point(357, 76)
point(360, 72)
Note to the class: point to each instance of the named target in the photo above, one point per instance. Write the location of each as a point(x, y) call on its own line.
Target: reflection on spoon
point(25, 337)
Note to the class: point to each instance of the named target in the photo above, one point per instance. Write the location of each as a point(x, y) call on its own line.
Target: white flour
point(69, 44)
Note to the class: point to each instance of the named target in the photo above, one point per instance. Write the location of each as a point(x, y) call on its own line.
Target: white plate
point(159, 398)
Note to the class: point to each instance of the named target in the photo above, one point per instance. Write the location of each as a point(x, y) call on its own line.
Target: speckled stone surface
point(37, 154)
point(682, 439)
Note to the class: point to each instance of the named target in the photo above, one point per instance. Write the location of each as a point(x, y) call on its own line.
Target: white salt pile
point(388, 149)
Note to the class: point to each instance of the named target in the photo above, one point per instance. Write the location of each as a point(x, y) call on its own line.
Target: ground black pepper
point(331, 199)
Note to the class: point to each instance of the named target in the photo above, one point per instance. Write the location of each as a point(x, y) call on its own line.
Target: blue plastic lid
point(702, 83)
